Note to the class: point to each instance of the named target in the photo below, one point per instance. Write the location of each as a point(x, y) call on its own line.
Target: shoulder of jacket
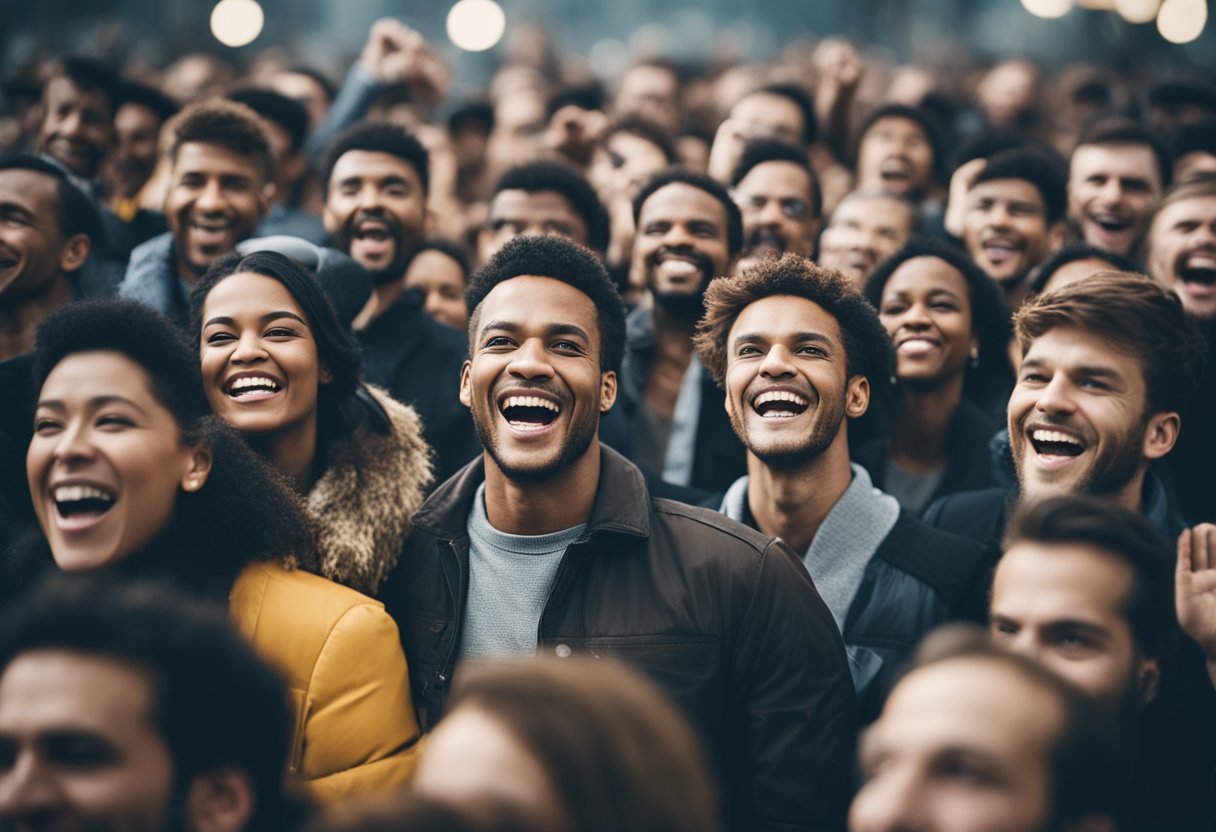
point(711, 522)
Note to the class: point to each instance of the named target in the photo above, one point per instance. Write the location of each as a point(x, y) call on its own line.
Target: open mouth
point(1198, 267)
point(681, 268)
point(374, 236)
point(1055, 445)
point(895, 172)
point(764, 242)
point(1112, 223)
point(529, 412)
point(916, 346)
point(211, 233)
point(252, 388)
point(1000, 249)
point(779, 404)
point(82, 503)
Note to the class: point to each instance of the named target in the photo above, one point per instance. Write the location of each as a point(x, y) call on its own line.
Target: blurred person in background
point(779, 198)
point(141, 114)
point(1194, 149)
point(543, 197)
point(439, 269)
point(867, 227)
point(1072, 262)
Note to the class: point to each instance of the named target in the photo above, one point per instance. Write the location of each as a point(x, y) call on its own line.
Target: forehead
point(1200, 209)
point(1046, 582)
point(630, 144)
point(132, 116)
point(895, 126)
point(56, 690)
point(372, 164)
point(1070, 346)
point(777, 177)
point(926, 274)
point(86, 375)
point(767, 107)
point(1012, 189)
point(212, 159)
point(1122, 158)
point(515, 202)
point(63, 90)
point(680, 201)
point(873, 212)
point(30, 188)
point(971, 703)
point(433, 263)
point(782, 316)
point(648, 79)
point(246, 293)
point(1076, 270)
point(532, 302)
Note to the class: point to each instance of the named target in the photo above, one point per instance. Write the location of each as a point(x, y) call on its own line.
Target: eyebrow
point(95, 402)
point(224, 320)
point(759, 338)
point(552, 329)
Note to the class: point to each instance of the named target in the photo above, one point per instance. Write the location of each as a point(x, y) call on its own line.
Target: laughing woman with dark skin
point(946, 322)
point(132, 474)
point(279, 368)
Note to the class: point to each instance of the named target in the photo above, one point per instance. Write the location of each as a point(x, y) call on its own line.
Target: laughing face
point(32, 248)
point(1182, 253)
point(926, 309)
point(375, 211)
point(787, 383)
point(1078, 418)
point(1005, 229)
point(895, 155)
point(106, 463)
point(77, 126)
point(216, 199)
point(681, 245)
point(259, 360)
point(534, 383)
point(1111, 191)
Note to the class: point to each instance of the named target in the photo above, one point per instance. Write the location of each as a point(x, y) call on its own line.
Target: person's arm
point(1195, 589)
point(797, 707)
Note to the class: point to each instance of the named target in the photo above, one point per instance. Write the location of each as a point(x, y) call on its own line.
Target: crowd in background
point(806, 444)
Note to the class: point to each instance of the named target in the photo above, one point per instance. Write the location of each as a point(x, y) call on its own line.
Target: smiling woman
point(132, 474)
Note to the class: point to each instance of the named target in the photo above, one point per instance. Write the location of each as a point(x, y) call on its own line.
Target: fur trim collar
point(361, 507)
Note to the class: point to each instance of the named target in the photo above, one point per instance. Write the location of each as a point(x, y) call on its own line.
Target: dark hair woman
point(131, 473)
point(947, 322)
point(279, 368)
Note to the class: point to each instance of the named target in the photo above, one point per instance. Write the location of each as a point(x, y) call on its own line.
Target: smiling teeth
point(779, 396)
point(1054, 436)
point(75, 493)
point(530, 401)
point(254, 381)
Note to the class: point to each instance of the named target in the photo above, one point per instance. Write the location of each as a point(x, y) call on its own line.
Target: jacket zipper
point(441, 677)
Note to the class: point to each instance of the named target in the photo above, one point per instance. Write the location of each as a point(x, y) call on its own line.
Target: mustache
point(765, 237)
point(702, 261)
point(394, 227)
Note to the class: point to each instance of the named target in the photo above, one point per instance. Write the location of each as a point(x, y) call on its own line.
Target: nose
point(1055, 396)
point(530, 361)
point(369, 198)
point(71, 124)
point(1112, 189)
point(210, 198)
point(249, 349)
point(27, 790)
point(770, 213)
point(677, 236)
point(998, 215)
point(778, 362)
point(891, 802)
point(73, 444)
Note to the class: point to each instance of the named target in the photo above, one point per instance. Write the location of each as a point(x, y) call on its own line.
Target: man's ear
point(266, 197)
point(324, 375)
point(220, 801)
point(607, 391)
point(1056, 234)
point(198, 469)
point(1148, 677)
point(857, 397)
point(1160, 434)
point(466, 392)
point(75, 252)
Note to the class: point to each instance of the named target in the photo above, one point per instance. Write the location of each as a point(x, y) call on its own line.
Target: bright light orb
point(476, 25)
point(1137, 11)
point(237, 22)
point(1049, 9)
point(1182, 21)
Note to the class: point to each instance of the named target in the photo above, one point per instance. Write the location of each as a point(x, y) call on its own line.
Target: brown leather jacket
point(723, 618)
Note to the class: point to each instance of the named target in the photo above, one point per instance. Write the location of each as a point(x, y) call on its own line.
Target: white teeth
point(1053, 436)
point(530, 401)
point(73, 493)
point(253, 381)
point(678, 267)
point(779, 396)
point(1200, 261)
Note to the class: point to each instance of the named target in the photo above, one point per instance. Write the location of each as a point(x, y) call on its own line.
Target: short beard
point(682, 306)
point(394, 271)
point(581, 435)
point(794, 456)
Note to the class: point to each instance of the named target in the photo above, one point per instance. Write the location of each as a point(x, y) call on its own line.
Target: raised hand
point(1195, 588)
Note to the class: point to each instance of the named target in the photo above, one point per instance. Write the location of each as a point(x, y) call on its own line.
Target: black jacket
point(722, 618)
point(418, 360)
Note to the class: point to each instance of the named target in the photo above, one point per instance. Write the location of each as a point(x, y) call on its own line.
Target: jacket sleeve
point(360, 733)
point(798, 704)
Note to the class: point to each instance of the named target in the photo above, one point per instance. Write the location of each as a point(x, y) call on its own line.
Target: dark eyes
point(79, 752)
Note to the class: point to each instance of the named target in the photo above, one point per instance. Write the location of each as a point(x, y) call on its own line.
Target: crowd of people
point(802, 445)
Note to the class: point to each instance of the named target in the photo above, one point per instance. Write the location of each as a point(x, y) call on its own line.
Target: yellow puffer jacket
point(340, 654)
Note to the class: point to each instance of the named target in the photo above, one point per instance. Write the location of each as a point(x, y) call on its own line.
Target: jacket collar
point(622, 501)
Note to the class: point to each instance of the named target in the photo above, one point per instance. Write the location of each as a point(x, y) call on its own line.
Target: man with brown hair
point(220, 188)
point(798, 349)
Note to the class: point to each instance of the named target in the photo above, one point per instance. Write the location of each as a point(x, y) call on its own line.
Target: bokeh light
point(237, 22)
point(1047, 8)
point(1182, 21)
point(476, 25)
point(1138, 11)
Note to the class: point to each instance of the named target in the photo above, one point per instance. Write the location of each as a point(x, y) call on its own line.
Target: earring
point(192, 484)
point(975, 358)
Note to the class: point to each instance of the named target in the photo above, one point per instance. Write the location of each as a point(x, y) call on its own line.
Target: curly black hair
point(758, 151)
point(800, 98)
point(380, 137)
point(286, 112)
point(682, 176)
point(549, 175)
point(563, 260)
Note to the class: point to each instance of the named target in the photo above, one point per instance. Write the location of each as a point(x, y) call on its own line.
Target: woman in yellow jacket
point(129, 471)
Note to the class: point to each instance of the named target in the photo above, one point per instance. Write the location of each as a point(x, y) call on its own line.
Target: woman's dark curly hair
point(339, 410)
point(245, 511)
point(989, 317)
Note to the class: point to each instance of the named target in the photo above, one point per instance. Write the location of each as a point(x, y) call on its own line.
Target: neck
point(792, 503)
point(1131, 496)
point(672, 327)
point(19, 322)
point(293, 451)
point(186, 271)
point(532, 508)
point(921, 434)
point(1015, 292)
point(383, 296)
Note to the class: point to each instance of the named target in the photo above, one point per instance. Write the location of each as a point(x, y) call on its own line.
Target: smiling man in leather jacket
point(551, 544)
